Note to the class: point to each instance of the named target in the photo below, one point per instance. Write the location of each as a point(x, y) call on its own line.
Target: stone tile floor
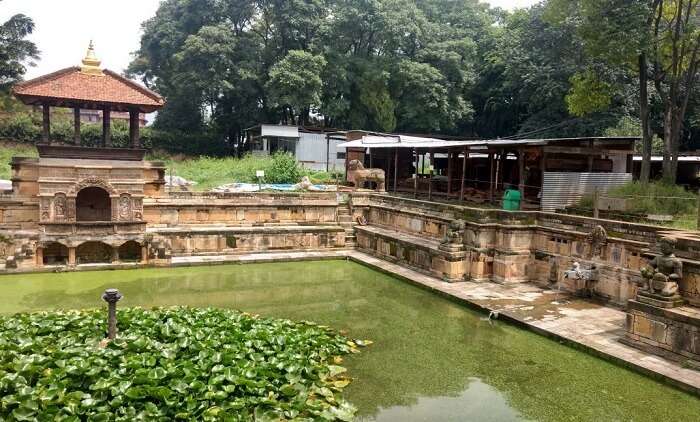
point(556, 314)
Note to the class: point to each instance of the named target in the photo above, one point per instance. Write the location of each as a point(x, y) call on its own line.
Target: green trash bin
point(511, 200)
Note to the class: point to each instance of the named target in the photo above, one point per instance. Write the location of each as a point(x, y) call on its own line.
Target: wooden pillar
point(76, 125)
point(415, 175)
point(464, 170)
point(371, 163)
point(46, 123)
point(396, 166)
point(71, 256)
point(521, 176)
point(430, 176)
point(449, 173)
point(590, 163)
point(491, 176)
point(106, 127)
point(134, 129)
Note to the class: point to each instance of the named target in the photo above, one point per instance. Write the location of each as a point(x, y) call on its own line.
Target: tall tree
point(15, 50)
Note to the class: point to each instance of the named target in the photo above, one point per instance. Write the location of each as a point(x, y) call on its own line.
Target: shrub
point(168, 364)
point(284, 168)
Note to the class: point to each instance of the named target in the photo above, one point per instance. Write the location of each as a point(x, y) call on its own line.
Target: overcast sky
point(65, 27)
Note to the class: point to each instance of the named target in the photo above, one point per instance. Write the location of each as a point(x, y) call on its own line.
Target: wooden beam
point(106, 127)
point(464, 170)
point(521, 176)
point(584, 150)
point(396, 166)
point(415, 175)
point(46, 123)
point(430, 175)
point(491, 177)
point(76, 126)
point(449, 173)
point(134, 129)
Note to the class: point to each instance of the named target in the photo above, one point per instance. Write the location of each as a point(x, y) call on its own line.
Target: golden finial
point(91, 64)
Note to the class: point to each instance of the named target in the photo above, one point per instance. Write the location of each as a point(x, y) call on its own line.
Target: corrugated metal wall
point(561, 189)
point(311, 151)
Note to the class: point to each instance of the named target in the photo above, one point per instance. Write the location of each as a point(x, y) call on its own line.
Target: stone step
point(344, 219)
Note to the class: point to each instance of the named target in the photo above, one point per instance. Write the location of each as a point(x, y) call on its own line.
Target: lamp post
point(111, 296)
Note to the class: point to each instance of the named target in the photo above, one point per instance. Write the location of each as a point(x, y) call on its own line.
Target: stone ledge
point(684, 314)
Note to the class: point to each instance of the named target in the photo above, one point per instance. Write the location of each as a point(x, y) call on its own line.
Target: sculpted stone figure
point(664, 271)
point(358, 174)
point(455, 232)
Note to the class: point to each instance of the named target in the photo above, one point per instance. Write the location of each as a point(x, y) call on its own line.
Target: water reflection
point(431, 360)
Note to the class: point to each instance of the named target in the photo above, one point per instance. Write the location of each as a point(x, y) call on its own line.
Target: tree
point(295, 84)
point(660, 39)
point(15, 49)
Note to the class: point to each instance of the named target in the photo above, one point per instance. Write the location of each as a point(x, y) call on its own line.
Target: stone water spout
point(585, 274)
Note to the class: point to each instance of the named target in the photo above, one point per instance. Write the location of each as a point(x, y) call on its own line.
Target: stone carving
point(92, 181)
point(125, 207)
point(664, 271)
point(598, 238)
point(454, 237)
point(59, 206)
point(455, 232)
point(357, 175)
point(45, 208)
point(578, 273)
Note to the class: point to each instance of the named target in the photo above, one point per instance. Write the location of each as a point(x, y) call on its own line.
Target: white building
point(313, 148)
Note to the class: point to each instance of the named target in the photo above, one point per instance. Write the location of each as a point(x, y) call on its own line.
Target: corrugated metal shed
point(560, 189)
point(311, 151)
point(279, 131)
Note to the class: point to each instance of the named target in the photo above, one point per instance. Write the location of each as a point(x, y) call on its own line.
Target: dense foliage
point(15, 50)
point(169, 364)
point(455, 67)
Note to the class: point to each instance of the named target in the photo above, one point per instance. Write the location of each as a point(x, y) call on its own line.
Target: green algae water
point(432, 359)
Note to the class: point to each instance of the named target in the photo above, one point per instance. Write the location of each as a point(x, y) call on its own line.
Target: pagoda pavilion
point(89, 87)
point(83, 204)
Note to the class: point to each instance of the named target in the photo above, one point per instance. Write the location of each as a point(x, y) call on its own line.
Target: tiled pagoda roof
point(71, 87)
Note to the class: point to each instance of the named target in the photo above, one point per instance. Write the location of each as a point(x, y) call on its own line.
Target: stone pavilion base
point(673, 333)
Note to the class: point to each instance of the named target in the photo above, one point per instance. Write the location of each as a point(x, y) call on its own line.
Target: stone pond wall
point(509, 247)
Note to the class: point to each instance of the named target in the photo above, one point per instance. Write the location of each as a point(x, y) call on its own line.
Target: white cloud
point(65, 27)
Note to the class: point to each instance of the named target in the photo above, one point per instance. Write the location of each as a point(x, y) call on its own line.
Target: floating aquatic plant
point(170, 363)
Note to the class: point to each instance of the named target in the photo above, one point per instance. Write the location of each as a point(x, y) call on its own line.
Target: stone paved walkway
point(552, 313)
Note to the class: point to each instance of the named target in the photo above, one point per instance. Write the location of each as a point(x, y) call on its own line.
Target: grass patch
point(210, 172)
point(13, 149)
point(652, 199)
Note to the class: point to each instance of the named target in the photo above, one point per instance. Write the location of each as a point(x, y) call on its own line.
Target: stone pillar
point(106, 127)
point(134, 129)
point(115, 255)
point(71, 256)
point(39, 257)
point(144, 254)
point(46, 124)
point(76, 125)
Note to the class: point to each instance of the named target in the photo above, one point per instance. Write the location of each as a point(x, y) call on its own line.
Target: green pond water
point(432, 359)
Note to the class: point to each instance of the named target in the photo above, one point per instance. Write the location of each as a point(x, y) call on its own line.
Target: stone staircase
point(346, 222)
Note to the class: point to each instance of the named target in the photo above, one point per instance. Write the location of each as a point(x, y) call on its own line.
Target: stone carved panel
point(45, 209)
point(137, 204)
point(60, 207)
point(92, 181)
point(124, 208)
point(598, 239)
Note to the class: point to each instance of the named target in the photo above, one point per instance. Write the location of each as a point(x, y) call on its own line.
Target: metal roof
point(405, 141)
